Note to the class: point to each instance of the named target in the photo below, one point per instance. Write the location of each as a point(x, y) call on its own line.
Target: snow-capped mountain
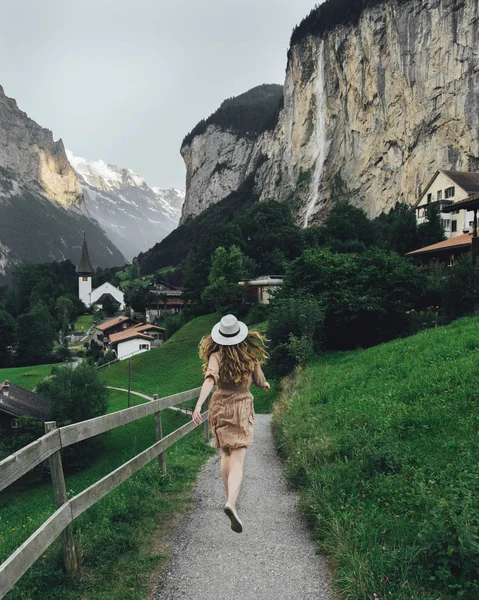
point(134, 215)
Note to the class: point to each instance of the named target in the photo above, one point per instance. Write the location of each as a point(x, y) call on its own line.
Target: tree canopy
point(248, 114)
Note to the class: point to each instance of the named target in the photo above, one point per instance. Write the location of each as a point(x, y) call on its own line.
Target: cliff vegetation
point(330, 14)
point(248, 114)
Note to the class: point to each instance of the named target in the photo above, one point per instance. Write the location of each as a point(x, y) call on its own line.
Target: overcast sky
point(125, 80)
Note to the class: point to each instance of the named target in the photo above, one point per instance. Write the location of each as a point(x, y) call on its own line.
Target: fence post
point(159, 436)
point(206, 430)
point(60, 494)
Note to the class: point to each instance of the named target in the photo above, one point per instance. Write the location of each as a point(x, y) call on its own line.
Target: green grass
point(27, 377)
point(83, 323)
point(115, 535)
point(382, 445)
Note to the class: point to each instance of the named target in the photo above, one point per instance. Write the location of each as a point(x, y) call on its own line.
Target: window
point(143, 346)
point(84, 278)
point(439, 195)
point(454, 226)
point(124, 325)
point(15, 423)
point(446, 224)
point(450, 262)
point(450, 192)
point(429, 197)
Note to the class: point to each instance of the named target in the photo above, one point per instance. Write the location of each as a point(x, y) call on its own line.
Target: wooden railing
point(50, 445)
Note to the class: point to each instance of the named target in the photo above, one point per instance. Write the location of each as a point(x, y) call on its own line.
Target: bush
point(365, 296)
point(294, 330)
point(75, 395)
point(173, 323)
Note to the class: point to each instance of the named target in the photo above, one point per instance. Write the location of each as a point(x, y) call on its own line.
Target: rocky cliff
point(42, 210)
point(134, 215)
point(372, 107)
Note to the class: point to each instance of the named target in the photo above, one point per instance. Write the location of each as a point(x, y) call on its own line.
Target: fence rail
point(50, 445)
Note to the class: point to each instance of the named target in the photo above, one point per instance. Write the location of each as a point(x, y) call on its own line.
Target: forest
point(330, 14)
point(247, 115)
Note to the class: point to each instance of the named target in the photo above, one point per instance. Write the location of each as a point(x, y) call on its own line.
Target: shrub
point(173, 323)
point(294, 330)
point(365, 296)
point(75, 395)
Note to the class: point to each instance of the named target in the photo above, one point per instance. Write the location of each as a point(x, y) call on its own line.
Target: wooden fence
point(50, 446)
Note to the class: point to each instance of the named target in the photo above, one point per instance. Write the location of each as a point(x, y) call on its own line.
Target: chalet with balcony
point(449, 251)
point(166, 300)
point(445, 189)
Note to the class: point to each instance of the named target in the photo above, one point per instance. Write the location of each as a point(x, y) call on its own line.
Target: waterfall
point(320, 136)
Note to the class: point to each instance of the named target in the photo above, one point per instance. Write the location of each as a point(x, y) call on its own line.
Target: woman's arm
point(206, 388)
point(259, 379)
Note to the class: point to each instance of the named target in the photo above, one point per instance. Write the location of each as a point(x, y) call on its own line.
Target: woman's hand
point(266, 387)
point(196, 416)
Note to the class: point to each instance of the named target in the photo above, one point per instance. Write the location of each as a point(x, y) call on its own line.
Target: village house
point(259, 290)
point(104, 330)
point(127, 337)
point(166, 300)
point(129, 343)
point(450, 250)
point(16, 401)
point(445, 189)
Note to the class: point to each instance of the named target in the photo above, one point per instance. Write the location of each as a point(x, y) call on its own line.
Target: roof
point(20, 401)
point(148, 326)
point(460, 241)
point(112, 323)
point(85, 267)
point(467, 180)
point(129, 334)
point(469, 203)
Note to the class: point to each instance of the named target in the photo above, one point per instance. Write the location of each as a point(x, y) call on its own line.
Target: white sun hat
point(229, 331)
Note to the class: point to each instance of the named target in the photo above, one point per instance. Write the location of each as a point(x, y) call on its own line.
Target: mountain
point(378, 94)
point(42, 210)
point(132, 214)
point(221, 151)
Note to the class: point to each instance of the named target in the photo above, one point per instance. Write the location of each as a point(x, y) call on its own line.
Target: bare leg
point(235, 477)
point(225, 466)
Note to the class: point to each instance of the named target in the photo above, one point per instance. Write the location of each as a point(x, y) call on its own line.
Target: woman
point(232, 357)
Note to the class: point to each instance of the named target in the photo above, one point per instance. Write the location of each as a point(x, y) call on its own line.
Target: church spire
point(85, 268)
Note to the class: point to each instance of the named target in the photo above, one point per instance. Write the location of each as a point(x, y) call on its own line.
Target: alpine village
point(337, 216)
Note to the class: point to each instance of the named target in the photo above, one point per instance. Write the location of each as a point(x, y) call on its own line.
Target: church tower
point(85, 272)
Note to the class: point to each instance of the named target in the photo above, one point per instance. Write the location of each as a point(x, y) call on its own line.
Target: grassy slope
point(174, 366)
point(27, 377)
point(383, 444)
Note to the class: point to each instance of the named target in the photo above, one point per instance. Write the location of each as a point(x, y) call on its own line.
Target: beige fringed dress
point(231, 414)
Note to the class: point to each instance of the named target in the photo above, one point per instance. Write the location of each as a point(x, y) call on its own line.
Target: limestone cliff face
point(38, 162)
point(371, 110)
point(217, 162)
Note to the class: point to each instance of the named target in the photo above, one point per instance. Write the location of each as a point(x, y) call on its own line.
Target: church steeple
point(85, 268)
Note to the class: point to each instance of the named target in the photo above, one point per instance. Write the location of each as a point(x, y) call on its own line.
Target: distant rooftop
point(18, 401)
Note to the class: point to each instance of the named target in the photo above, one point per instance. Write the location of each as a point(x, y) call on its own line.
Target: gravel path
point(274, 558)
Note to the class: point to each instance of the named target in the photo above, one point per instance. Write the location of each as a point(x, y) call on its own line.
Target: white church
point(85, 292)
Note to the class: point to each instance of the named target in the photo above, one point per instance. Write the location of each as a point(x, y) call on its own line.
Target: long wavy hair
point(237, 361)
